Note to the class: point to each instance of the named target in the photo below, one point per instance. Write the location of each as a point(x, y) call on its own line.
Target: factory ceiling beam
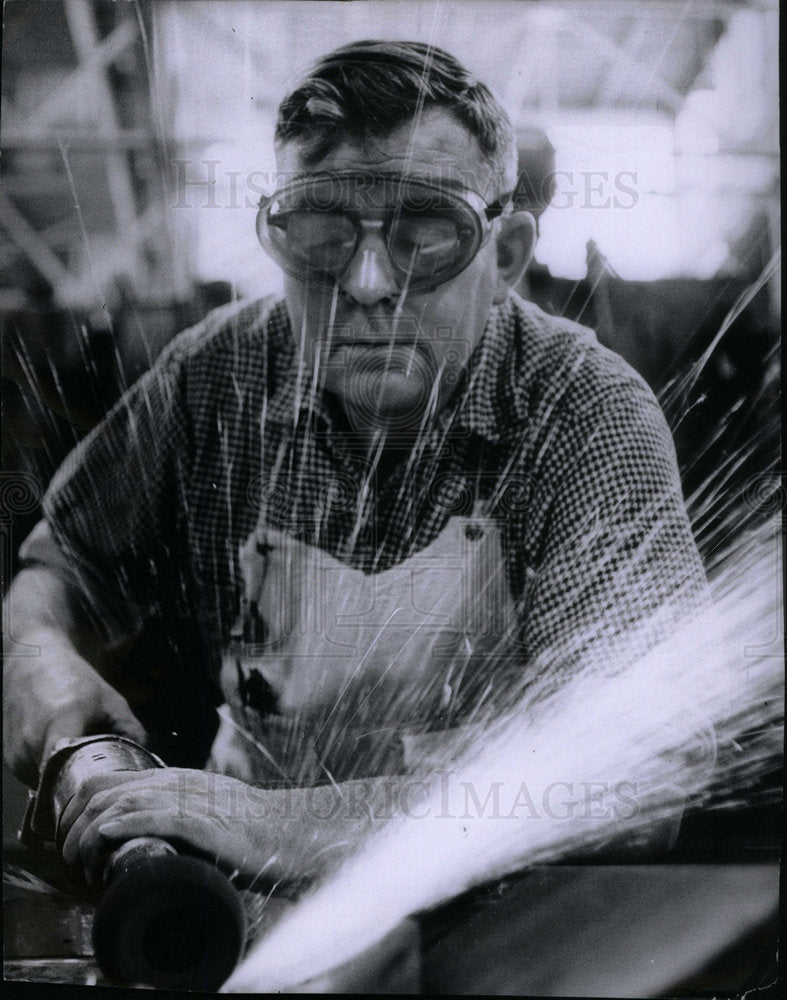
point(623, 61)
point(537, 69)
point(32, 245)
point(84, 138)
point(94, 56)
point(84, 33)
point(696, 10)
point(71, 88)
point(538, 45)
point(621, 70)
point(71, 288)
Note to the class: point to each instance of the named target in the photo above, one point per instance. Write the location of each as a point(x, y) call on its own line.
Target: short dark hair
point(369, 88)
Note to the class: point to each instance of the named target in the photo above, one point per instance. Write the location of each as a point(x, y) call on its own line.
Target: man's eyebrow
point(436, 180)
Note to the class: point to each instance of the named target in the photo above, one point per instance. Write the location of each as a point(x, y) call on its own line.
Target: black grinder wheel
point(172, 922)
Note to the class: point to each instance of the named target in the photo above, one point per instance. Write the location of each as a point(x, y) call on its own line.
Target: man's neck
point(385, 449)
point(374, 445)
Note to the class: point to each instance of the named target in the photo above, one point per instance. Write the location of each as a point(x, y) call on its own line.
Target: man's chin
point(380, 387)
point(387, 407)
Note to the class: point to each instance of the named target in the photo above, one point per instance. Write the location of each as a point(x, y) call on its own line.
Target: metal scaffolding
point(84, 166)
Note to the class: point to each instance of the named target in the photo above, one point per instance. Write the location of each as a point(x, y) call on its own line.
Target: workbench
point(562, 930)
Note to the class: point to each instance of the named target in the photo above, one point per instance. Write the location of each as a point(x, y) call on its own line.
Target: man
point(364, 518)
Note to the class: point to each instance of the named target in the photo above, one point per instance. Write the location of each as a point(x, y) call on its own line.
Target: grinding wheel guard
point(64, 771)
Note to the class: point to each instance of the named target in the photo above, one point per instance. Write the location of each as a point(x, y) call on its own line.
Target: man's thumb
point(121, 721)
point(114, 718)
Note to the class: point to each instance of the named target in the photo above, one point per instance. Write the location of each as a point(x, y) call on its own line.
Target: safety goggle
point(313, 227)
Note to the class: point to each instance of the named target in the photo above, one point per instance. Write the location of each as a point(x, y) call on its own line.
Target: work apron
point(330, 670)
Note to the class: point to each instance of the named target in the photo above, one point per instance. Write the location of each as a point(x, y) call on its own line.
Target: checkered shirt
point(550, 434)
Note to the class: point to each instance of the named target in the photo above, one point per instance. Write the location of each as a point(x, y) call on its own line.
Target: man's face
point(392, 357)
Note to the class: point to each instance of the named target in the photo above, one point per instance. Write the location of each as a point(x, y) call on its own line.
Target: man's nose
point(370, 277)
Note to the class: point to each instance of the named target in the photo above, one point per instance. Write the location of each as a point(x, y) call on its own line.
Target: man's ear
point(516, 238)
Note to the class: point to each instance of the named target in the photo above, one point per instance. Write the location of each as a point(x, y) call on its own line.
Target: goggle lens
point(430, 235)
point(315, 239)
point(425, 245)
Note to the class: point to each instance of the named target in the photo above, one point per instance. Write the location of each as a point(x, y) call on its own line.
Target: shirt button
point(474, 532)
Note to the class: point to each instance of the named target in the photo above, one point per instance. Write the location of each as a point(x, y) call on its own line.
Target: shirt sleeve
point(618, 566)
point(619, 574)
point(115, 505)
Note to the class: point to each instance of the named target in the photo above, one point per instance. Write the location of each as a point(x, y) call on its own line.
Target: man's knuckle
point(93, 786)
point(125, 802)
point(101, 800)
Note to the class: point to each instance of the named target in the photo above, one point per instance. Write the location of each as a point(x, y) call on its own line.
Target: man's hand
point(253, 832)
point(54, 696)
point(51, 689)
point(217, 817)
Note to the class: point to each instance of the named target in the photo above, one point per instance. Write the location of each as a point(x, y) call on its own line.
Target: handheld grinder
point(165, 919)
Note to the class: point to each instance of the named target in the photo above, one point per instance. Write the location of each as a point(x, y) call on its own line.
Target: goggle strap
point(498, 207)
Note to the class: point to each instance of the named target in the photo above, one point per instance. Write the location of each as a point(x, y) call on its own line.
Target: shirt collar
point(477, 409)
point(294, 394)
